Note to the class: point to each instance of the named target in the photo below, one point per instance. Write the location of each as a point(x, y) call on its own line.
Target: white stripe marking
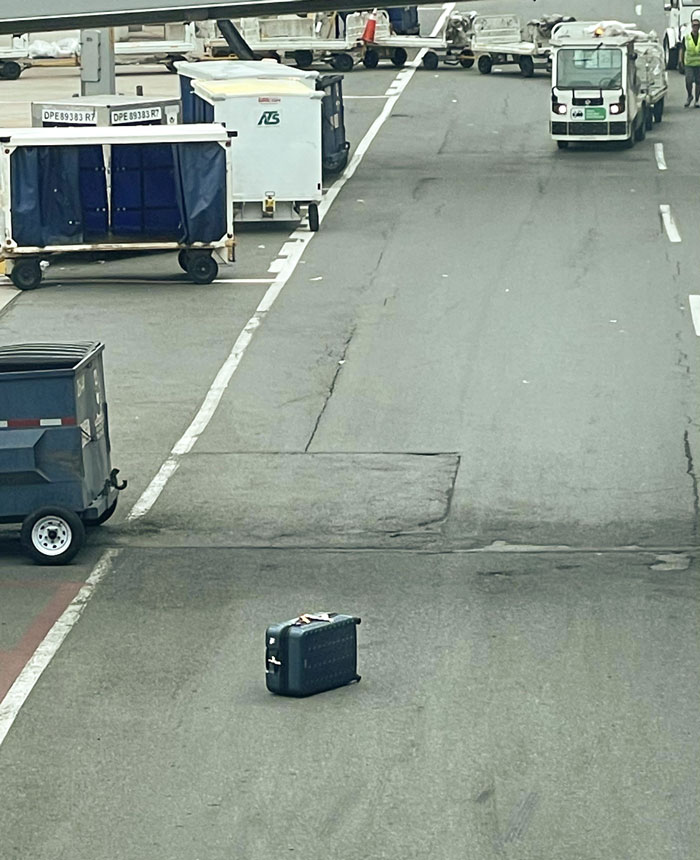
point(287, 266)
point(695, 313)
point(243, 281)
point(638, 8)
point(276, 265)
point(659, 153)
point(40, 659)
point(669, 223)
point(8, 292)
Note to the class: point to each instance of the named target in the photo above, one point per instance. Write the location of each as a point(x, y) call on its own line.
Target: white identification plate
point(149, 114)
point(72, 116)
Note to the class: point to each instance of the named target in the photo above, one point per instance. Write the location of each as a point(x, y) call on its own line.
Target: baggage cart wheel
point(648, 119)
point(641, 131)
point(370, 59)
point(52, 535)
point(342, 62)
point(485, 64)
point(563, 144)
point(10, 70)
point(430, 60)
point(201, 267)
point(104, 516)
point(659, 110)
point(182, 259)
point(314, 222)
point(466, 60)
point(26, 274)
point(527, 66)
point(399, 57)
point(303, 59)
point(671, 55)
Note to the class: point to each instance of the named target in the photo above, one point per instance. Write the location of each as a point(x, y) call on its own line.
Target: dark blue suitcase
point(311, 653)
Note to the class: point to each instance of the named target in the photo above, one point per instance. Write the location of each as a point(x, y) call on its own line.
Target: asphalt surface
point(470, 418)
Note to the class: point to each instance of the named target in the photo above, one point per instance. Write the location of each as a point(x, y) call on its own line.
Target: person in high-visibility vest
point(690, 60)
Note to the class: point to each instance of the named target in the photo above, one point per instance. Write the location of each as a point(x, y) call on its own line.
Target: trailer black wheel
point(399, 57)
point(648, 118)
point(342, 63)
point(563, 144)
point(104, 516)
point(527, 66)
point(10, 70)
point(640, 131)
point(671, 55)
point(26, 274)
point(658, 110)
point(201, 267)
point(182, 259)
point(485, 64)
point(430, 60)
point(466, 60)
point(303, 59)
point(314, 222)
point(52, 535)
point(370, 59)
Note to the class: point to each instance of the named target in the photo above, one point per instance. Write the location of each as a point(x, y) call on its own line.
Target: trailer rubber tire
point(466, 61)
point(562, 144)
point(399, 57)
point(648, 119)
point(370, 59)
point(52, 535)
point(10, 70)
point(26, 274)
point(485, 64)
point(641, 131)
point(430, 60)
point(182, 259)
point(342, 63)
point(103, 517)
point(201, 267)
point(303, 59)
point(659, 110)
point(527, 66)
point(314, 221)
point(671, 56)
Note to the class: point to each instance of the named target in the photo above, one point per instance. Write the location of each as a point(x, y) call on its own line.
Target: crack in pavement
point(691, 471)
point(331, 389)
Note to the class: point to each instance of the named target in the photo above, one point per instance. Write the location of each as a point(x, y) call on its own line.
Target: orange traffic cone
point(370, 27)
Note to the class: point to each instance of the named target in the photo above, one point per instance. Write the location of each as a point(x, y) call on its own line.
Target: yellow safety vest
point(692, 51)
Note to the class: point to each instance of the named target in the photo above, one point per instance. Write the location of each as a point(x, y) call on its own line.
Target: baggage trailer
point(121, 189)
point(56, 474)
point(278, 146)
point(651, 68)
point(106, 111)
point(597, 89)
point(498, 41)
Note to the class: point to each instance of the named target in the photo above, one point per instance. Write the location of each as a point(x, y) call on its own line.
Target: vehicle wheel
point(182, 259)
point(466, 61)
point(104, 516)
point(201, 267)
point(430, 60)
point(640, 131)
point(658, 110)
point(527, 66)
point(563, 144)
point(52, 535)
point(485, 64)
point(303, 59)
point(671, 55)
point(26, 274)
point(399, 57)
point(10, 70)
point(342, 63)
point(314, 222)
point(370, 59)
point(648, 118)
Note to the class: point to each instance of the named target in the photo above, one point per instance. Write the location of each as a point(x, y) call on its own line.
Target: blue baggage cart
point(55, 466)
point(334, 145)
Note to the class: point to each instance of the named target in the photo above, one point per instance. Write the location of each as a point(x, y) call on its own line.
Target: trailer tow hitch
point(114, 482)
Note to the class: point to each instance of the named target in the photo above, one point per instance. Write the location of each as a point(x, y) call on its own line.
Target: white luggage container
point(277, 162)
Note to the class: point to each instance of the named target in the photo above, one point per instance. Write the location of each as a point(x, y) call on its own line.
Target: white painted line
point(659, 153)
point(243, 281)
point(8, 292)
point(695, 313)
point(638, 8)
point(287, 266)
point(40, 659)
point(669, 223)
point(275, 266)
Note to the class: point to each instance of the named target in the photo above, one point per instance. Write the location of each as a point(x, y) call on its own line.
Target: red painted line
point(13, 661)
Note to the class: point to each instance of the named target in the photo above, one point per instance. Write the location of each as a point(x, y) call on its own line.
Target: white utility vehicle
point(597, 89)
point(679, 15)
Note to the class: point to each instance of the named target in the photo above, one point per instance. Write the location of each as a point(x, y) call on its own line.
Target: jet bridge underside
point(32, 16)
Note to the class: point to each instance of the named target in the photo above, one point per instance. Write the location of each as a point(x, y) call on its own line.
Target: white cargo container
point(277, 162)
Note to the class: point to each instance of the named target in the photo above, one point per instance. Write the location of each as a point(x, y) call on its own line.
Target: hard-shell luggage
point(311, 653)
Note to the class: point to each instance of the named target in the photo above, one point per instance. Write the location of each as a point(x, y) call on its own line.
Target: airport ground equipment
point(452, 45)
point(597, 89)
point(93, 191)
point(679, 14)
point(56, 474)
point(651, 68)
point(277, 167)
point(502, 40)
point(106, 111)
